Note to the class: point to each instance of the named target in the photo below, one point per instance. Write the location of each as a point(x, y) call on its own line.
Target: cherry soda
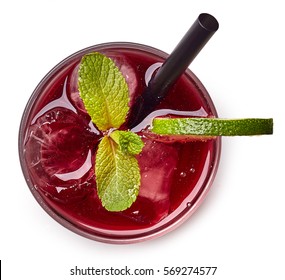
point(58, 143)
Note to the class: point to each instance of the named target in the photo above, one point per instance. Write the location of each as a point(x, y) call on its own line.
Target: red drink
point(58, 145)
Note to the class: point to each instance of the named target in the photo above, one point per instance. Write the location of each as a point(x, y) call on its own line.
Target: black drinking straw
point(174, 66)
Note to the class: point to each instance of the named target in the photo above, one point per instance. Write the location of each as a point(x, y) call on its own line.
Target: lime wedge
point(212, 126)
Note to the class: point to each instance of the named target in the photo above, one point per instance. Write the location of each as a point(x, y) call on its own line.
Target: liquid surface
point(60, 146)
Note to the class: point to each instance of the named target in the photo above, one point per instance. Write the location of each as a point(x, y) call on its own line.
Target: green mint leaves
point(128, 141)
point(105, 95)
point(103, 90)
point(117, 176)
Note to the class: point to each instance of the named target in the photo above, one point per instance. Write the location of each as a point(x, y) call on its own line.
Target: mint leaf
point(128, 141)
point(103, 90)
point(117, 176)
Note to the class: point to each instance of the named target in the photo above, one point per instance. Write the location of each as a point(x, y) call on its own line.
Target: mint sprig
point(105, 95)
point(128, 141)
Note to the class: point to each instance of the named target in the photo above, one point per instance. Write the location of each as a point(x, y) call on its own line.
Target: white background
point(239, 227)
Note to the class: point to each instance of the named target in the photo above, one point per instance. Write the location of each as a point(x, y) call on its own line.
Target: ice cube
point(59, 152)
point(157, 163)
point(129, 74)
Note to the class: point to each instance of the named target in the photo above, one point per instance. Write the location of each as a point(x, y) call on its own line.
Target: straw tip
point(208, 22)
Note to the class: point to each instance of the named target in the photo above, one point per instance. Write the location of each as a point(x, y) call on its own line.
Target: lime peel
point(212, 126)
